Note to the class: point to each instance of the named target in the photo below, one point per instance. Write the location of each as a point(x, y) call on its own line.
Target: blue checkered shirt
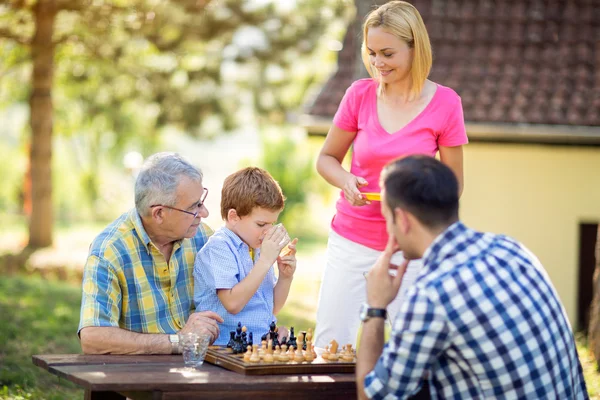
point(221, 264)
point(484, 321)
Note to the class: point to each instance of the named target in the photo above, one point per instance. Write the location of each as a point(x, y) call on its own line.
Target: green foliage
point(126, 71)
point(36, 317)
point(289, 158)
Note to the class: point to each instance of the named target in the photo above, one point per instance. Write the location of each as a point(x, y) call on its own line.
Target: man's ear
point(158, 214)
point(402, 220)
point(232, 216)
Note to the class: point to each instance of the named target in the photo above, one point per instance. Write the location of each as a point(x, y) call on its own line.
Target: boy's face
point(251, 228)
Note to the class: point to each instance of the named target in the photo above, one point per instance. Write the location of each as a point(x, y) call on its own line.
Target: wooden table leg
point(96, 395)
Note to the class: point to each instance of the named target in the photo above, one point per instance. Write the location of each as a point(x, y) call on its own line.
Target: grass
point(36, 317)
point(41, 317)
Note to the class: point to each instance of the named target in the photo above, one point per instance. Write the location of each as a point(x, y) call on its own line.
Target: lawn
point(40, 316)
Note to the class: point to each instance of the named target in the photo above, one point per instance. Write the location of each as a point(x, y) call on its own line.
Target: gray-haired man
point(137, 282)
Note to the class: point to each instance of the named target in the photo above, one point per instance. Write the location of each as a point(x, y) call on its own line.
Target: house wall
point(539, 195)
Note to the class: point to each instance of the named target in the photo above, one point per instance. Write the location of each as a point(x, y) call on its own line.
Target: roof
point(513, 62)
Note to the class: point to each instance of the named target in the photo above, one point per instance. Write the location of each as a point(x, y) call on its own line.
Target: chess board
point(218, 355)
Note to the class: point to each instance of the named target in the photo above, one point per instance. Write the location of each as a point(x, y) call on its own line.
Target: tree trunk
point(594, 328)
point(40, 102)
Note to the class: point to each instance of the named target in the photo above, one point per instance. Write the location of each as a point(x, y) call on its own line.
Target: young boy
point(233, 272)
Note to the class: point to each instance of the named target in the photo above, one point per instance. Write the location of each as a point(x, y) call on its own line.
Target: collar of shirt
point(138, 226)
point(238, 242)
point(446, 243)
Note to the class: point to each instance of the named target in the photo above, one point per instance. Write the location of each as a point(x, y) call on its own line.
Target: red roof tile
point(511, 61)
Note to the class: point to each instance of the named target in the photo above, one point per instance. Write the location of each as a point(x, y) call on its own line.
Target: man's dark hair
point(423, 186)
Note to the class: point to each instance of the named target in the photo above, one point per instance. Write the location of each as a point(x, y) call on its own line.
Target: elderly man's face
point(189, 196)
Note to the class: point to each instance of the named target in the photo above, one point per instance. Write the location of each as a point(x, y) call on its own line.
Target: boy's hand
point(287, 263)
point(275, 239)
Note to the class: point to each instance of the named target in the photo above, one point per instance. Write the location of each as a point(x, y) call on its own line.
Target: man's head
point(251, 201)
point(419, 200)
point(169, 196)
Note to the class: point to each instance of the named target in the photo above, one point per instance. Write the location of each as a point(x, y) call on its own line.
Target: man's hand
point(275, 239)
point(384, 279)
point(287, 263)
point(203, 322)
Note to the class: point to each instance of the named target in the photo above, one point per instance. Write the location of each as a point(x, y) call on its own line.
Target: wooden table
point(163, 377)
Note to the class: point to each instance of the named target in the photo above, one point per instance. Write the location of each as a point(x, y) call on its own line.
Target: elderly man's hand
point(203, 322)
point(384, 278)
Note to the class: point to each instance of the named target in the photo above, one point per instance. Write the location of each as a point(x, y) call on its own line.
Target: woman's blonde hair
point(403, 20)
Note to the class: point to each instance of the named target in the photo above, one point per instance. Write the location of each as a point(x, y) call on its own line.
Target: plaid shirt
point(128, 284)
point(485, 322)
point(221, 264)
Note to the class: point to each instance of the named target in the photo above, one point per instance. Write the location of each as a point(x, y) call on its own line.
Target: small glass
point(193, 348)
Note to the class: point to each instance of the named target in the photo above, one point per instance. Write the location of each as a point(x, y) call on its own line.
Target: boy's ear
point(232, 215)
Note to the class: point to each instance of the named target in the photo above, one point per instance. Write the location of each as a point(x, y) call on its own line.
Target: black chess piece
point(250, 340)
point(292, 340)
point(283, 341)
point(264, 337)
point(244, 340)
point(231, 339)
point(303, 340)
point(238, 330)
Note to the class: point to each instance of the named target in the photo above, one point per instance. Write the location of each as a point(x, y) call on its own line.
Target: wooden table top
point(166, 378)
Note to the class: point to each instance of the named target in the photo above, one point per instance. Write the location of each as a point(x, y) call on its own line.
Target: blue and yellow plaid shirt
point(127, 283)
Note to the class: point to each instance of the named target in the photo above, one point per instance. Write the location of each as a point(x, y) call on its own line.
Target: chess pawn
point(347, 354)
point(333, 355)
point(254, 358)
point(308, 355)
point(325, 355)
point(312, 350)
point(309, 335)
point(299, 357)
point(263, 350)
point(276, 353)
point(268, 357)
point(283, 357)
point(248, 354)
point(291, 353)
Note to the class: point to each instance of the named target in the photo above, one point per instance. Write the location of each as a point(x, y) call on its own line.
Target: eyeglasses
point(198, 206)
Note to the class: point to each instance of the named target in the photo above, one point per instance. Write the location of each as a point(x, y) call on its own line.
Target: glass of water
point(193, 348)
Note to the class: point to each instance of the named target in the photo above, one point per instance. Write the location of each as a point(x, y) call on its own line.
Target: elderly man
point(137, 281)
point(481, 321)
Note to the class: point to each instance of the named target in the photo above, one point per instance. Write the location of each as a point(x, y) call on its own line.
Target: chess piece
point(283, 341)
point(347, 354)
point(291, 342)
point(333, 355)
point(244, 337)
point(309, 334)
point(276, 353)
point(263, 350)
point(231, 341)
point(268, 357)
point(308, 355)
point(291, 354)
point(312, 350)
point(283, 357)
point(250, 339)
point(248, 354)
point(303, 341)
point(299, 356)
point(325, 355)
point(254, 358)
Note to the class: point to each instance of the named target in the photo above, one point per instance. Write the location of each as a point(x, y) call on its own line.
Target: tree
point(120, 71)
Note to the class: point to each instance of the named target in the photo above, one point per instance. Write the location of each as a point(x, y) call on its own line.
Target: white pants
point(344, 289)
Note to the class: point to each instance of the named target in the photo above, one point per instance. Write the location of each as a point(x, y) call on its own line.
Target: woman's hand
point(351, 192)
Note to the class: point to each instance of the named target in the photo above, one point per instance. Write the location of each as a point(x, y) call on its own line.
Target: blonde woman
point(397, 112)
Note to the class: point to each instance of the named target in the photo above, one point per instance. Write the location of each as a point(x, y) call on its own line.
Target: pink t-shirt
point(441, 123)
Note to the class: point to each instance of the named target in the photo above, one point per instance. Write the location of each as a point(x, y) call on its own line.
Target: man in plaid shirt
point(482, 320)
point(137, 281)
